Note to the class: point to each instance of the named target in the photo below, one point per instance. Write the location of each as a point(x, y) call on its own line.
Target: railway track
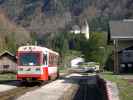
point(88, 90)
point(16, 92)
point(22, 89)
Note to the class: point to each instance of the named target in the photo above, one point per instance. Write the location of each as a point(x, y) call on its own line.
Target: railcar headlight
point(21, 69)
point(28, 69)
point(37, 69)
point(129, 65)
point(123, 65)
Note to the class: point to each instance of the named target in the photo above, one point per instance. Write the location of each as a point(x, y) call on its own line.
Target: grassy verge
point(62, 69)
point(125, 88)
point(7, 76)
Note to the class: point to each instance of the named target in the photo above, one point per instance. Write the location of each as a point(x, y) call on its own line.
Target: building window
point(5, 66)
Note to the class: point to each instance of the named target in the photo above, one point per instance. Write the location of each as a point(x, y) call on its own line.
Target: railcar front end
point(37, 63)
point(31, 67)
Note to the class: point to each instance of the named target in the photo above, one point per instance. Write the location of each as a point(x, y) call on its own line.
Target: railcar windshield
point(29, 59)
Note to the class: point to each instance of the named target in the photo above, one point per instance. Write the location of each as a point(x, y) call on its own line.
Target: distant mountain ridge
point(48, 16)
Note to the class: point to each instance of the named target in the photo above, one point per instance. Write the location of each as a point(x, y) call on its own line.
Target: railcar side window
point(45, 59)
point(49, 59)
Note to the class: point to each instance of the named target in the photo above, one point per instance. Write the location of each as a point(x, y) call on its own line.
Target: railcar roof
point(36, 48)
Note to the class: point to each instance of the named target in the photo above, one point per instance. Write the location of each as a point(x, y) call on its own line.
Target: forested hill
point(46, 16)
point(11, 35)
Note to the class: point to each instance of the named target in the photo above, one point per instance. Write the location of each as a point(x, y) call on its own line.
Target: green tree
point(33, 37)
point(11, 43)
point(92, 48)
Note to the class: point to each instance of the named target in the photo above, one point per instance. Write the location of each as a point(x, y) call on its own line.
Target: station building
point(82, 28)
point(7, 62)
point(121, 35)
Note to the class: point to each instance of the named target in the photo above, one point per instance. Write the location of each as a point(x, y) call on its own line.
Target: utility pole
point(116, 61)
point(102, 63)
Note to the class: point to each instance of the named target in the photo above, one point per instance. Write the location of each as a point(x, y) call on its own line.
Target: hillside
point(34, 16)
point(11, 35)
point(48, 16)
point(57, 17)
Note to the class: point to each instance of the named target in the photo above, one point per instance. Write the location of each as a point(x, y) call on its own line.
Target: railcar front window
point(29, 59)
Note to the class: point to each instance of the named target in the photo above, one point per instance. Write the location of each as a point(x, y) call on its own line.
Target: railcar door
point(45, 66)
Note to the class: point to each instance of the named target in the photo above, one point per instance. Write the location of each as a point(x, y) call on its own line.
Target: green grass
point(7, 76)
point(125, 88)
point(62, 69)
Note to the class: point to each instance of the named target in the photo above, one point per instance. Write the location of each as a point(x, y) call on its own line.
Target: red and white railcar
point(36, 63)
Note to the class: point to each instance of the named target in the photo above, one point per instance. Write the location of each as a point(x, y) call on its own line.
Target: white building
point(75, 29)
point(85, 30)
point(75, 62)
point(82, 29)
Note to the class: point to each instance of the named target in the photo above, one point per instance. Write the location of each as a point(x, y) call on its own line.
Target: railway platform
point(71, 87)
point(54, 90)
point(4, 87)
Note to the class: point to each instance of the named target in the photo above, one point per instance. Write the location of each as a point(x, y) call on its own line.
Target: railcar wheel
point(58, 75)
point(49, 77)
point(24, 82)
